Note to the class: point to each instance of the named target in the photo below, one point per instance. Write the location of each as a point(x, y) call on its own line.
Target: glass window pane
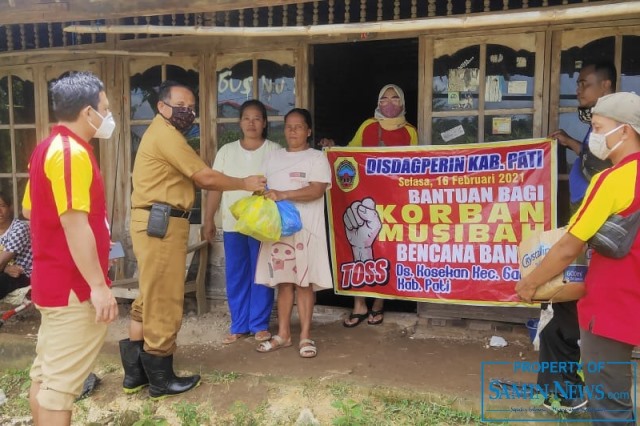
point(5, 185)
point(276, 133)
point(5, 151)
point(630, 68)
point(25, 143)
point(571, 61)
point(509, 78)
point(230, 132)
point(4, 100)
point(508, 127)
point(276, 86)
point(454, 130)
point(24, 110)
point(136, 137)
point(143, 103)
point(235, 85)
point(144, 93)
point(455, 80)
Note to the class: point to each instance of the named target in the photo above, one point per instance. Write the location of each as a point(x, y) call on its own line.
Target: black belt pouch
point(158, 220)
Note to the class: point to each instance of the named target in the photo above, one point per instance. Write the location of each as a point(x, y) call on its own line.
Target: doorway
point(348, 76)
point(346, 80)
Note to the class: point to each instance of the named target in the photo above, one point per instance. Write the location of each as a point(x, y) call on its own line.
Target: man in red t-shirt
point(608, 312)
point(70, 238)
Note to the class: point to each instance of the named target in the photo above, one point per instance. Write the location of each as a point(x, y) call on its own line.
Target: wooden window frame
point(432, 48)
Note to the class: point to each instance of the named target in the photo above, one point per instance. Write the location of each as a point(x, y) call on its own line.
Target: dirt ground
point(400, 355)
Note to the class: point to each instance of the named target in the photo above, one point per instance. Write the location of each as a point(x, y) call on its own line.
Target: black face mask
point(181, 117)
point(584, 114)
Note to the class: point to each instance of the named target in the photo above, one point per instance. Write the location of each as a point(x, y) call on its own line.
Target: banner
point(438, 223)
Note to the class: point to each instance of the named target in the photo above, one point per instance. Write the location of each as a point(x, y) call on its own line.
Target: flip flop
point(374, 314)
point(274, 344)
point(358, 317)
point(234, 337)
point(308, 348)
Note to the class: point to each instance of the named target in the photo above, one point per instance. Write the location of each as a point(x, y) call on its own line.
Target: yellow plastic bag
point(258, 217)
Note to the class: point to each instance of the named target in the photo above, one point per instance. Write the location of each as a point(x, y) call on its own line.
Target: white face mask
point(106, 127)
point(598, 144)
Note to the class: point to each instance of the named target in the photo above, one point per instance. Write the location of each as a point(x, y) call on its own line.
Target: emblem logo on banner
point(346, 169)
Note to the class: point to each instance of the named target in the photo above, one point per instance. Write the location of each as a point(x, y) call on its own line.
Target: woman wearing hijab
point(388, 127)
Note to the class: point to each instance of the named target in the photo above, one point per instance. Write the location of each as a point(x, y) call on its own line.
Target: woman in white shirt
point(298, 263)
point(249, 304)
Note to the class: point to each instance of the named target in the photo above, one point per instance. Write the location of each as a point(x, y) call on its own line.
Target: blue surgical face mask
point(598, 144)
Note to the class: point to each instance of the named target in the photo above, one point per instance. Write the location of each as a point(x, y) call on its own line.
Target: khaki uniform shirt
point(164, 166)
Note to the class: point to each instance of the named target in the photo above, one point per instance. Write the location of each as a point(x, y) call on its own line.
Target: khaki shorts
point(69, 340)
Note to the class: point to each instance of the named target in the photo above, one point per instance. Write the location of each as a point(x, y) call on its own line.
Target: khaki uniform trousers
point(161, 273)
point(69, 341)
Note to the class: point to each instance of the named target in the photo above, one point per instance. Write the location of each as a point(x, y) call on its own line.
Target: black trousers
point(559, 342)
point(614, 406)
point(8, 283)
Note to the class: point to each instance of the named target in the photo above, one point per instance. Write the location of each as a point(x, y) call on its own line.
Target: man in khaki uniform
point(165, 171)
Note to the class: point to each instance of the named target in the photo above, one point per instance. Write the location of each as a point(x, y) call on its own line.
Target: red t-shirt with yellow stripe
point(63, 176)
point(612, 300)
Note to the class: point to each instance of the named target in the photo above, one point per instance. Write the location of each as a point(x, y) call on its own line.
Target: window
point(239, 80)
point(17, 132)
point(484, 92)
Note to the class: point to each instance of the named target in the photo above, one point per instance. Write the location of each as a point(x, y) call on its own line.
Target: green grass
point(220, 377)
point(242, 415)
point(148, 417)
point(190, 414)
point(339, 390)
point(392, 407)
point(15, 384)
point(311, 387)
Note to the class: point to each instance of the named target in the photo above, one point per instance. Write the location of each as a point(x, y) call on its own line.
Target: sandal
point(234, 337)
point(262, 336)
point(373, 314)
point(358, 317)
point(276, 342)
point(308, 348)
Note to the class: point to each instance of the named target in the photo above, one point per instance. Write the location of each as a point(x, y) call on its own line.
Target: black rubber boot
point(134, 376)
point(163, 381)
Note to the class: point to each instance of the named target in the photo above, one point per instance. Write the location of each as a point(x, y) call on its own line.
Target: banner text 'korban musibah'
point(438, 223)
